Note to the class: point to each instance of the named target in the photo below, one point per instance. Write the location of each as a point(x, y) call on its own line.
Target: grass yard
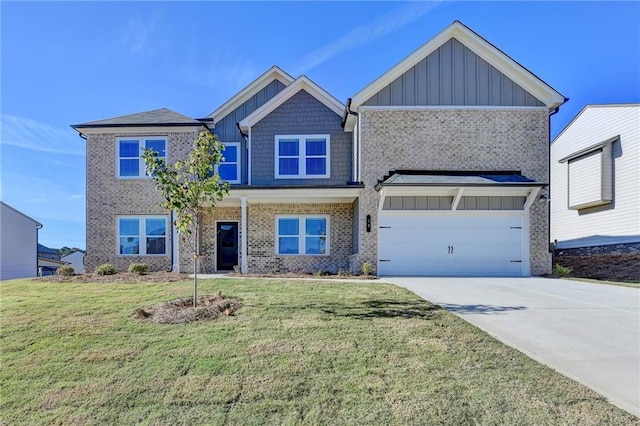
point(296, 353)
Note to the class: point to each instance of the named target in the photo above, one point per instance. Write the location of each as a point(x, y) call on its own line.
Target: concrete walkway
point(588, 332)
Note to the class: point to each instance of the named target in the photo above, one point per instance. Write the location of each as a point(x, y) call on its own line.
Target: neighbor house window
point(590, 176)
point(302, 235)
point(229, 168)
point(130, 164)
point(142, 235)
point(302, 156)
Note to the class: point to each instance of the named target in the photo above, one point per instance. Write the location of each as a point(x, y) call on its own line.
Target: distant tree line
point(66, 250)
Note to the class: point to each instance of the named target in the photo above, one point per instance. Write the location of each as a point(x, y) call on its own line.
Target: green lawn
point(296, 353)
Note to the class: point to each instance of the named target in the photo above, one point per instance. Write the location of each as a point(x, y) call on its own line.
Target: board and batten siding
point(613, 223)
point(453, 75)
point(227, 130)
point(18, 244)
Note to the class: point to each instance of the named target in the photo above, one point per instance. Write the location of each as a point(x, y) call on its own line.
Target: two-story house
point(435, 168)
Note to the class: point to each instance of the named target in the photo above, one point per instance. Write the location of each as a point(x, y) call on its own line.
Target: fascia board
point(273, 73)
point(302, 83)
point(139, 130)
point(479, 46)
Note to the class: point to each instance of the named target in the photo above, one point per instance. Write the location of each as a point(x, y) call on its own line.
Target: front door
point(226, 245)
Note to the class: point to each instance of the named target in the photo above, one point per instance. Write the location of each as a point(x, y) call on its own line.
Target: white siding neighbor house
point(76, 259)
point(18, 244)
point(595, 181)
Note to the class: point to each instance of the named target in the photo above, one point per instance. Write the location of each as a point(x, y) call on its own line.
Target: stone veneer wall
point(109, 197)
point(261, 230)
point(622, 248)
point(454, 139)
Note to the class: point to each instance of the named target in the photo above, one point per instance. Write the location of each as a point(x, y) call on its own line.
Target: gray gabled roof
point(157, 117)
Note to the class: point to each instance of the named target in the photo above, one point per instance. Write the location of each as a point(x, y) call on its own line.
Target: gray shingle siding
point(453, 75)
point(227, 129)
point(302, 114)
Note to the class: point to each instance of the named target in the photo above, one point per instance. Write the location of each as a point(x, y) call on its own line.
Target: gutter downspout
point(38, 227)
point(172, 241)
point(357, 138)
point(554, 112)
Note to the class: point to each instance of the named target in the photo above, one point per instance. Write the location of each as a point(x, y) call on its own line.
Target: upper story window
point(130, 164)
point(302, 156)
point(142, 235)
point(229, 168)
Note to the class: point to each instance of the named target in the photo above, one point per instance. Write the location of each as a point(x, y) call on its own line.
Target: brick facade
point(454, 139)
point(109, 197)
point(261, 231)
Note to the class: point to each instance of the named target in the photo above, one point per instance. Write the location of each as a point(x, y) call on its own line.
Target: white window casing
point(129, 150)
point(306, 240)
point(302, 156)
point(141, 235)
point(231, 162)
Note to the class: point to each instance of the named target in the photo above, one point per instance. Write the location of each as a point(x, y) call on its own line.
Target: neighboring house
point(47, 266)
point(48, 253)
point(595, 181)
point(435, 168)
point(18, 244)
point(76, 259)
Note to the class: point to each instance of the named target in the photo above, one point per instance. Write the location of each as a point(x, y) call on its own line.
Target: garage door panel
point(450, 244)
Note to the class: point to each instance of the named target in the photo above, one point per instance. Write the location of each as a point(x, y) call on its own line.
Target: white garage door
point(451, 243)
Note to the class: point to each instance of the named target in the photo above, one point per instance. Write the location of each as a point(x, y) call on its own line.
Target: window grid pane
point(316, 166)
point(288, 148)
point(315, 245)
point(288, 245)
point(288, 226)
point(158, 145)
point(156, 245)
point(228, 172)
point(230, 154)
point(288, 166)
point(316, 147)
point(156, 226)
point(129, 149)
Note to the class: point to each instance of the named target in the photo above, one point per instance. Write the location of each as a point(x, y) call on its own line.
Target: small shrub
point(66, 270)
point(367, 269)
point(139, 268)
point(343, 272)
point(106, 269)
point(561, 271)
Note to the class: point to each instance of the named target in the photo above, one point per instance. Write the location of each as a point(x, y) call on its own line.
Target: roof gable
point(157, 117)
point(273, 73)
point(480, 47)
point(301, 83)
point(452, 75)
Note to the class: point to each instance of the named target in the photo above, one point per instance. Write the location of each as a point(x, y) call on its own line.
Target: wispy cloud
point(385, 24)
point(31, 134)
point(140, 34)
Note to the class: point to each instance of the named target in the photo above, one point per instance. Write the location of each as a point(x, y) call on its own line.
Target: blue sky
point(71, 62)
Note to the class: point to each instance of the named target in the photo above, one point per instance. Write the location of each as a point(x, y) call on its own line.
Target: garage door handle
point(384, 260)
point(385, 227)
point(516, 261)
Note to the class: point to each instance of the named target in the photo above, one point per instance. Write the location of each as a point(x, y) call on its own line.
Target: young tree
point(189, 187)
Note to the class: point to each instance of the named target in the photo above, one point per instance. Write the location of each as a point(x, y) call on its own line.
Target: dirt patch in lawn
point(120, 277)
point(609, 267)
point(182, 310)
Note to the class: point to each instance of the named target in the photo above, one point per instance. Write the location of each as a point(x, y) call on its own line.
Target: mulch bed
point(323, 276)
point(609, 267)
point(120, 277)
point(181, 310)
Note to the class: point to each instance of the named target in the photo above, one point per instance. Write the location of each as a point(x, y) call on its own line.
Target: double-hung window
point(302, 156)
point(142, 235)
point(229, 168)
point(130, 164)
point(306, 234)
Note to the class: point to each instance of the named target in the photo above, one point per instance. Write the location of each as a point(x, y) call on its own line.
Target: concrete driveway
point(588, 332)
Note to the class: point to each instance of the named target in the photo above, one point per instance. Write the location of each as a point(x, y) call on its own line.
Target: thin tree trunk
point(196, 256)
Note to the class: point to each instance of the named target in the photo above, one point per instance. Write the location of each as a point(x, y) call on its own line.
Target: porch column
point(243, 239)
